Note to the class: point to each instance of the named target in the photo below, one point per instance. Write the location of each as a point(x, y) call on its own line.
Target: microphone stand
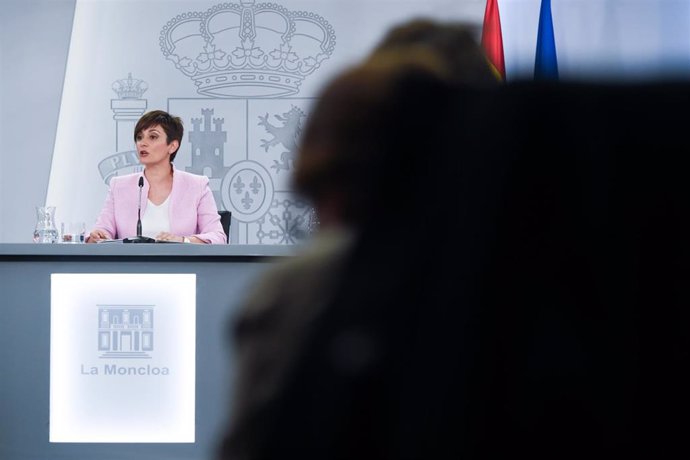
point(139, 238)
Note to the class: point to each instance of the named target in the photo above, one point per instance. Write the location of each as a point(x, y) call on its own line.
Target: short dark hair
point(172, 125)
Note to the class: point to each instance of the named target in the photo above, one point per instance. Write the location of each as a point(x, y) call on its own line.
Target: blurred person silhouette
point(381, 116)
point(346, 145)
point(452, 42)
point(536, 303)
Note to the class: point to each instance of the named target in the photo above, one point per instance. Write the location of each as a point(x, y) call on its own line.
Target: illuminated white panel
point(122, 358)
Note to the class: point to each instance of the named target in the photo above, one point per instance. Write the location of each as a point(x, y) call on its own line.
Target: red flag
point(492, 40)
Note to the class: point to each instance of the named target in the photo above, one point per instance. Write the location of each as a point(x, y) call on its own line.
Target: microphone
point(141, 186)
point(139, 238)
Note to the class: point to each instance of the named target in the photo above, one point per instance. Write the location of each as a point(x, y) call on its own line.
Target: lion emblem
point(287, 135)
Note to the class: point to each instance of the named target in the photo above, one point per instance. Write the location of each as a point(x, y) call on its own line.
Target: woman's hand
point(165, 236)
point(97, 235)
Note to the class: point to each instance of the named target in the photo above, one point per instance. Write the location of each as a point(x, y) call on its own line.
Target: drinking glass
point(73, 232)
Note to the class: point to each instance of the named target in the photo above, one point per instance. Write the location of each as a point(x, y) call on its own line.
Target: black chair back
point(225, 222)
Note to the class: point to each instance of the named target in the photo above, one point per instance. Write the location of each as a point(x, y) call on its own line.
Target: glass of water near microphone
point(46, 231)
point(72, 232)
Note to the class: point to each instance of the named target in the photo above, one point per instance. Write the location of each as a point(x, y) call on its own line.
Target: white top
point(156, 218)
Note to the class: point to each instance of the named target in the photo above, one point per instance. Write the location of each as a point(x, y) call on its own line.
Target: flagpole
point(545, 61)
point(492, 39)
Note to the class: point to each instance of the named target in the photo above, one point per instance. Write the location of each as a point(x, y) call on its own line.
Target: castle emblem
point(125, 331)
point(208, 150)
point(247, 50)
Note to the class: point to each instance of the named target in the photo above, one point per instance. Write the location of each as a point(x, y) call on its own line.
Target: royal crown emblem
point(130, 88)
point(247, 49)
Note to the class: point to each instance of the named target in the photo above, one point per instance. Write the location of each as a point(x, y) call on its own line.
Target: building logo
point(123, 357)
point(125, 331)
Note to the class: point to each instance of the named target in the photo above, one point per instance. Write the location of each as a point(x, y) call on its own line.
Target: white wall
point(34, 39)
point(619, 39)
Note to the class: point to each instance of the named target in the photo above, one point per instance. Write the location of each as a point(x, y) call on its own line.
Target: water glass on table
point(73, 232)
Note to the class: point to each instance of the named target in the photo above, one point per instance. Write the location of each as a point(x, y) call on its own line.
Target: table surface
point(30, 250)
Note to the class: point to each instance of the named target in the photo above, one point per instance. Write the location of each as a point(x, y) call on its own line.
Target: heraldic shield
point(247, 148)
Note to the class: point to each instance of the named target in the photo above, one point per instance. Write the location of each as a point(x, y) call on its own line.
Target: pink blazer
point(193, 210)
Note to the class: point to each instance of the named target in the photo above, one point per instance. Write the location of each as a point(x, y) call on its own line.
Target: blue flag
point(545, 63)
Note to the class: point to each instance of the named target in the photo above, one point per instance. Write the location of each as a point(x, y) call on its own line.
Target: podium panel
point(86, 345)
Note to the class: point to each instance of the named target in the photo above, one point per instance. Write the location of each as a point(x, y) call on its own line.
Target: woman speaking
point(176, 206)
